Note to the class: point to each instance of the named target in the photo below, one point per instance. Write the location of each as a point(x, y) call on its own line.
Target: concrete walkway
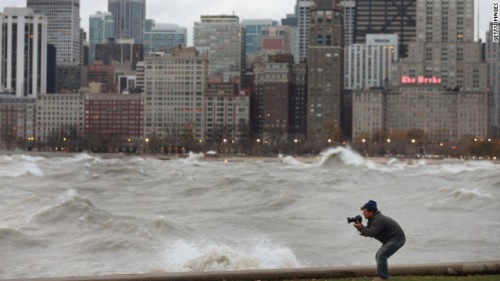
point(453, 269)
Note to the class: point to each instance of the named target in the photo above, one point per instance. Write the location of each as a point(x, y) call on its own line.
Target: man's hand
point(358, 225)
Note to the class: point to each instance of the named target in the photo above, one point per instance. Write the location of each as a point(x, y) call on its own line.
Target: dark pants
point(387, 250)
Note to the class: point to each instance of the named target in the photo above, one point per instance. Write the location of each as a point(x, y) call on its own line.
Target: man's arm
point(372, 231)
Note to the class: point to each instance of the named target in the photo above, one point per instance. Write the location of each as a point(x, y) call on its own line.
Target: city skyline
point(184, 13)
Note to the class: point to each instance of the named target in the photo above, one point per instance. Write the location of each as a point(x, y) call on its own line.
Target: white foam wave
point(450, 195)
point(30, 168)
point(83, 157)
point(344, 156)
point(68, 206)
point(29, 158)
point(456, 167)
point(195, 156)
point(182, 256)
point(289, 160)
point(464, 193)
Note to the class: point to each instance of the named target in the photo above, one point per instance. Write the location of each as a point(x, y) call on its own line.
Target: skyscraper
point(129, 17)
point(23, 52)
point(325, 76)
point(349, 7)
point(101, 28)
point(292, 21)
point(174, 104)
point(384, 17)
point(162, 37)
point(272, 90)
point(369, 65)
point(254, 31)
point(63, 31)
point(223, 39)
point(440, 88)
point(302, 10)
point(445, 46)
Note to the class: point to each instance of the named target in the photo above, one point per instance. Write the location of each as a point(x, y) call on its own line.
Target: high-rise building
point(120, 51)
point(441, 87)
point(173, 108)
point(23, 52)
point(370, 65)
point(298, 102)
point(349, 7)
point(302, 10)
point(384, 17)
point(84, 48)
point(63, 31)
point(227, 116)
point(272, 86)
point(101, 29)
point(326, 71)
point(254, 31)
point(222, 39)
point(119, 118)
point(162, 37)
point(103, 75)
point(276, 40)
point(63, 125)
point(445, 47)
point(129, 17)
point(17, 122)
point(291, 20)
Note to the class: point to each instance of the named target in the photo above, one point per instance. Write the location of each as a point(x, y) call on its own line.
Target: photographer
point(384, 229)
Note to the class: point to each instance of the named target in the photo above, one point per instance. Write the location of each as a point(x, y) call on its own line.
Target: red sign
point(420, 80)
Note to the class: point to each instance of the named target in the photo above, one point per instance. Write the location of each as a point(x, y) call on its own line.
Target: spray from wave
point(182, 256)
point(341, 156)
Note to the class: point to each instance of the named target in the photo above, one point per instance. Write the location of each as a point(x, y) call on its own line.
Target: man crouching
point(385, 230)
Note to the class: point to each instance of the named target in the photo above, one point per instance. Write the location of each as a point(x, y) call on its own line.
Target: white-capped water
point(74, 215)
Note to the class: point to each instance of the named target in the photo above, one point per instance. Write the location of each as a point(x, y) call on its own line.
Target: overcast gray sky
point(186, 12)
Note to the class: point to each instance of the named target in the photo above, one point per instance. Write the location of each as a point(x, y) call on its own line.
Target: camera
point(357, 219)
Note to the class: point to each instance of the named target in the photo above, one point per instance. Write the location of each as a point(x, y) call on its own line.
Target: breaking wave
point(183, 256)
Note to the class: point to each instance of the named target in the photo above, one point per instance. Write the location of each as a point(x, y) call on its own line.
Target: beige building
point(59, 116)
point(222, 39)
point(368, 106)
point(227, 115)
point(441, 87)
point(445, 48)
point(174, 88)
point(444, 115)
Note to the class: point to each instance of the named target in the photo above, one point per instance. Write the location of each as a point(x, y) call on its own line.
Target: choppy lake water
point(74, 215)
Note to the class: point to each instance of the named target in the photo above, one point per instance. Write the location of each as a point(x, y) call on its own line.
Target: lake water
point(81, 214)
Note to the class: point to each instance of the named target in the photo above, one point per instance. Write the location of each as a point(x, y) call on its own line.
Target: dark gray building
point(383, 17)
point(325, 74)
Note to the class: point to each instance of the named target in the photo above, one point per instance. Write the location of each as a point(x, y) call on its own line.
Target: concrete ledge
point(454, 269)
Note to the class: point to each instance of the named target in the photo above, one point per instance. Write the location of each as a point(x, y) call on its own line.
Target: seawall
point(441, 269)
